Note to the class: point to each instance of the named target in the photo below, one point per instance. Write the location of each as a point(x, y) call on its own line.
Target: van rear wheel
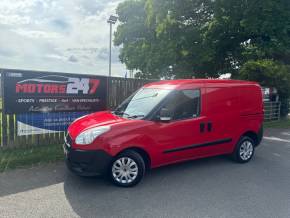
point(127, 169)
point(244, 150)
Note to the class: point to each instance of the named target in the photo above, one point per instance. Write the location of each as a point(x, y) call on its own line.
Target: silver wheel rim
point(246, 150)
point(125, 170)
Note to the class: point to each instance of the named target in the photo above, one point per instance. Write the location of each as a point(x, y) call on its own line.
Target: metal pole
point(110, 56)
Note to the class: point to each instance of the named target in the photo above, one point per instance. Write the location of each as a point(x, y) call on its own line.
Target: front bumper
point(86, 163)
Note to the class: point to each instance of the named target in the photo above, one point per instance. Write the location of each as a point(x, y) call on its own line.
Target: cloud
point(52, 35)
point(6, 52)
point(37, 34)
point(60, 24)
point(103, 54)
point(14, 20)
point(72, 59)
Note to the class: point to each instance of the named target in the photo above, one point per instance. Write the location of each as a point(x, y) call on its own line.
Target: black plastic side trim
point(252, 114)
point(201, 127)
point(222, 141)
point(209, 126)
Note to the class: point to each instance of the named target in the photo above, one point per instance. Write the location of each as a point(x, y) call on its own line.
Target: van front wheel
point(244, 150)
point(127, 169)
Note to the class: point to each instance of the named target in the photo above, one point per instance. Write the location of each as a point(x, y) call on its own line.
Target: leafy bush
point(270, 73)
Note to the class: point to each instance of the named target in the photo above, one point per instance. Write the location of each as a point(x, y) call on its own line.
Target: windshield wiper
point(120, 113)
point(127, 115)
point(136, 116)
point(151, 96)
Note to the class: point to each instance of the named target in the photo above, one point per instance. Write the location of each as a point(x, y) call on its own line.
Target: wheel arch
point(253, 135)
point(144, 154)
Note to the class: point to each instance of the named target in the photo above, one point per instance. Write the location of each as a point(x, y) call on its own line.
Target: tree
point(134, 36)
point(270, 73)
point(163, 38)
point(249, 30)
point(201, 38)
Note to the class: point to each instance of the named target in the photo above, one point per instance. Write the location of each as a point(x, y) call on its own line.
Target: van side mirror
point(165, 115)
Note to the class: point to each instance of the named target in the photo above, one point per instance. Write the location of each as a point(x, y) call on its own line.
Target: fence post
point(271, 110)
point(4, 129)
point(4, 116)
point(279, 111)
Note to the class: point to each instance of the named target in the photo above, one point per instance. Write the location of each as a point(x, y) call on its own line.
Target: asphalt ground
point(212, 187)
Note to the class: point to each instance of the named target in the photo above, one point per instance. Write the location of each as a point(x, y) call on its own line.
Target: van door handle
point(209, 126)
point(202, 127)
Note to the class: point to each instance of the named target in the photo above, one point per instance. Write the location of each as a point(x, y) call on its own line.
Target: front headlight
point(88, 136)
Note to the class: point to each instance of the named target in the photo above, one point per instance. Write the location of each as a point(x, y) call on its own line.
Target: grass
point(281, 124)
point(29, 156)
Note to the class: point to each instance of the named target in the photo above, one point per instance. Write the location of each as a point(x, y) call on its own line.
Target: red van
point(167, 122)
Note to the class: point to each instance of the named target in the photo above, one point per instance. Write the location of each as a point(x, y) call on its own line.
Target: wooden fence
point(119, 89)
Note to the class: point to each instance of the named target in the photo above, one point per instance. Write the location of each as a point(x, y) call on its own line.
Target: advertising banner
point(33, 124)
point(45, 92)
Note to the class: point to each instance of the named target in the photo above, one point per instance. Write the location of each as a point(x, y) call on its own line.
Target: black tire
point(137, 162)
point(238, 155)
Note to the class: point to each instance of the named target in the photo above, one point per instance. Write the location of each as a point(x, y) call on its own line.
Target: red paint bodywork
point(233, 107)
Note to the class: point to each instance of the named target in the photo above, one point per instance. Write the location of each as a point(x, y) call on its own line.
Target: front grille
point(68, 139)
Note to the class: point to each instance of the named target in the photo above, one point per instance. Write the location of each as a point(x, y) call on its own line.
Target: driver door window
point(184, 104)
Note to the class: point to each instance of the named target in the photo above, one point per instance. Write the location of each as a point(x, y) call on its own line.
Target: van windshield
point(140, 104)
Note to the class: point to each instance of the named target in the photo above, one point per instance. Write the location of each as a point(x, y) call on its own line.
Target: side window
point(184, 104)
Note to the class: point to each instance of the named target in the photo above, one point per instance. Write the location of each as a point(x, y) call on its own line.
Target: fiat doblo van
point(167, 122)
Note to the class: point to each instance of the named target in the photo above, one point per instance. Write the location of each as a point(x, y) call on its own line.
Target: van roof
point(185, 83)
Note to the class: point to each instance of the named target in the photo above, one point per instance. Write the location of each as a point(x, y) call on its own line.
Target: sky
point(69, 36)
